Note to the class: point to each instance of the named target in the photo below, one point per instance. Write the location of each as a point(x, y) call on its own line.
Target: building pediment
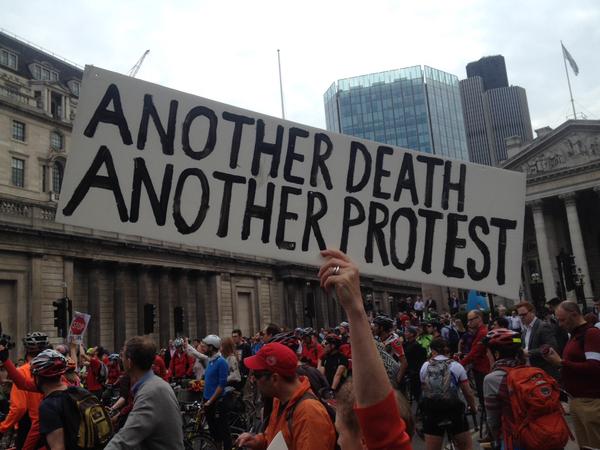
point(572, 146)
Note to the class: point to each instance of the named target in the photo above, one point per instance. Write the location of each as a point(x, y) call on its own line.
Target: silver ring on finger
point(335, 270)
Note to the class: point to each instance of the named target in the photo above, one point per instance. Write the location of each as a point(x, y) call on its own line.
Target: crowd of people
point(348, 387)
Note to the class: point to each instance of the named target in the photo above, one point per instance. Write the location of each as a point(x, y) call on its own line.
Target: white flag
point(569, 58)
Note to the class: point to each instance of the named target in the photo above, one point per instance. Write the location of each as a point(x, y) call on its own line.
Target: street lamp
point(536, 294)
point(578, 278)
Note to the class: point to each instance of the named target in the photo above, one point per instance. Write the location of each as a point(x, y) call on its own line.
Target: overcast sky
point(227, 50)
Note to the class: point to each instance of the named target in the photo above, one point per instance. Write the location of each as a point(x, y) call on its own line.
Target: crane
point(134, 70)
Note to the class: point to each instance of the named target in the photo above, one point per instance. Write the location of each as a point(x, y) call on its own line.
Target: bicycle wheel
point(202, 441)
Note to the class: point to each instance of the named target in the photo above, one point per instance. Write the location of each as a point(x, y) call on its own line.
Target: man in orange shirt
point(24, 405)
point(297, 414)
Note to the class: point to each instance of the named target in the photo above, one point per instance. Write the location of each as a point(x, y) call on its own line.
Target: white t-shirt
point(419, 305)
point(459, 374)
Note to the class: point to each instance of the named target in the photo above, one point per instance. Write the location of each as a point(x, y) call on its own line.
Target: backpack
point(95, 427)
point(453, 338)
point(392, 367)
point(538, 418)
point(438, 383)
point(330, 412)
point(102, 374)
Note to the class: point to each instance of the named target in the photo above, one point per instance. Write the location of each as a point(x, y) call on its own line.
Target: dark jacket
point(541, 334)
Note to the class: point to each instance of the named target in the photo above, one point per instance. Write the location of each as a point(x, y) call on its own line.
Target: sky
point(227, 50)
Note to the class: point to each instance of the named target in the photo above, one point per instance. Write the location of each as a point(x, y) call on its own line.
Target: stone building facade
point(561, 253)
point(113, 276)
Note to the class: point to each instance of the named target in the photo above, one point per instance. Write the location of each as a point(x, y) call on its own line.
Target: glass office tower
point(417, 108)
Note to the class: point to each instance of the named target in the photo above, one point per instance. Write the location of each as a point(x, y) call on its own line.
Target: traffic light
point(149, 318)
point(62, 313)
point(178, 319)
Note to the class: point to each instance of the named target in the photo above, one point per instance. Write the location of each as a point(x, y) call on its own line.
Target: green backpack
point(95, 427)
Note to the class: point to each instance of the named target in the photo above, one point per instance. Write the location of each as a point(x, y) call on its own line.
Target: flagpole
point(568, 80)
point(281, 85)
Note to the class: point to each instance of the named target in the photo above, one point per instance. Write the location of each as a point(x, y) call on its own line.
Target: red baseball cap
point(274, 357)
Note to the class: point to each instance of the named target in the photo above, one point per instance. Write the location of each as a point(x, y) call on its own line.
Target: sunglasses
point(261, 374)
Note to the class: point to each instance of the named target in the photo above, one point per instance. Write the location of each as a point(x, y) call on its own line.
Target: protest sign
point(162, 164)
point(78, 326)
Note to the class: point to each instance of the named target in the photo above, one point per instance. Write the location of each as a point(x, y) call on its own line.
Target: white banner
point(158, 163)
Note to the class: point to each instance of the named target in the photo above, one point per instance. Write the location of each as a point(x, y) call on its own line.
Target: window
point(8, 58)
point(74, 85)
point(18, 172)
point(57, 176)
point(43, 73)
point(18, 131)
point(56, 141)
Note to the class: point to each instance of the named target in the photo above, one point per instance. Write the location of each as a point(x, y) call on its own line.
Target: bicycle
point(195, 428)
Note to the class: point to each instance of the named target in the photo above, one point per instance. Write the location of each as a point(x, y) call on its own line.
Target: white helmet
point(214, 340)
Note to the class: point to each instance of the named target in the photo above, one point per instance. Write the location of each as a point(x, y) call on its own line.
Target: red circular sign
point(78, 325)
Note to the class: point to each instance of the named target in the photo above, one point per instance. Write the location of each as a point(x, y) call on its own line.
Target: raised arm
point(371, 383)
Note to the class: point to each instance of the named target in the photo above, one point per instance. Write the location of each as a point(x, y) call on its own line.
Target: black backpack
point(330, 412)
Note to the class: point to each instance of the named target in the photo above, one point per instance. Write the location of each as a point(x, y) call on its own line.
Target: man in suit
point(537, 335)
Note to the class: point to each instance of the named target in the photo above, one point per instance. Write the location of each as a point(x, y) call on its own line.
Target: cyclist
point(181, 365)
point(333, 364)
point(443, 411)
point(154, 422)
point(383, 327)
point(94, 365)
point(318, 382)
point(478, 353)
point(312, 351)
point(301, 418)
point(505, 346)
point(71, 373)
point(24, 405)
point(416, 356)
point(426, 335)
point(215, 378)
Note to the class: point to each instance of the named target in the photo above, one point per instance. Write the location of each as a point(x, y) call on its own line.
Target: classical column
point(541, 239)
point(142, 281)
point(119, 306)
point(201, 294)
point(290, 316)
point(93, 332)
point(577, 244)
point(164, 308)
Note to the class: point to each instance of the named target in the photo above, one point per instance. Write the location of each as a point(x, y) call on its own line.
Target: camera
point(6, 341)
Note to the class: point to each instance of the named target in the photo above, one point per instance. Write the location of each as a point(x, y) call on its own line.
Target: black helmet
point(35, 342)
point(308, 332)
point(384, 322)
point(289, 339)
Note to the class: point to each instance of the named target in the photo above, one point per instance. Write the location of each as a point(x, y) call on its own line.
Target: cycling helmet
point(288, 339)
point(345, 325)
point(35, 342)
point(308, 332)
point(71, 365)
point(114, 357)
point(214, 340)
point(333, 339)
point(48, 364)
point(502, 338)
point(178, 342)
point(384, 322)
